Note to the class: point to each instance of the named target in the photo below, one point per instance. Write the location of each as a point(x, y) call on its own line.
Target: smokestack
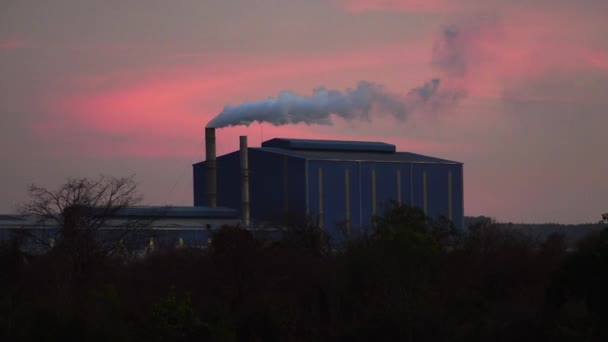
point(245, 180)
point(211, 171)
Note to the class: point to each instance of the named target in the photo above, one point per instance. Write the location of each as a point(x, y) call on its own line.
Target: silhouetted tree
point(385, 281)
point(399, 283)
point(307, 238)
point(76, 213)
point(577, 299)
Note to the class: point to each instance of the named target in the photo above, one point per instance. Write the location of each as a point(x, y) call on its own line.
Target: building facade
point(338, 184)
point(151, 227)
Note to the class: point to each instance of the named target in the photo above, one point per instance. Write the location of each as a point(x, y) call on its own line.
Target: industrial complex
point(335, 184)
point(340, 186)
point(157, 227)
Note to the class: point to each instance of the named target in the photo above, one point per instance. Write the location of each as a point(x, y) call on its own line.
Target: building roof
point(329, 145)
point(397, 157)
point(11, 218)
point(178, 212)
point(343, 151)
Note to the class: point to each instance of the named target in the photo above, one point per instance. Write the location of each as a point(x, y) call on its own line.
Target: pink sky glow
point(10, 44)
point(131, 93)
point(396, 5)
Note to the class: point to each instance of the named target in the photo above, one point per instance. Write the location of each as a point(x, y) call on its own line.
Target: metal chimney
point(211, 171)
point(244, 180)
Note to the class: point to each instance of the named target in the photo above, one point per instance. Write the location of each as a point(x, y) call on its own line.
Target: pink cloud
point(10, 44)
point(597, 58)
point(505, 47)
point(492, 56)
point(141, 113)
point(359, 6)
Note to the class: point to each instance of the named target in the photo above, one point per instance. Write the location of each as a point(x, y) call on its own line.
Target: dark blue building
point(336, 183)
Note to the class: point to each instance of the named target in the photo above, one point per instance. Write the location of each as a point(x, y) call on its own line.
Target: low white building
point(156, 227)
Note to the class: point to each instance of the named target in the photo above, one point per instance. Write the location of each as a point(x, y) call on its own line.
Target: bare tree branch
point(83, 210)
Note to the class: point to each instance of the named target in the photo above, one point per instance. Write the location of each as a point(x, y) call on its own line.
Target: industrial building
point(157, 227)
point(338, 184)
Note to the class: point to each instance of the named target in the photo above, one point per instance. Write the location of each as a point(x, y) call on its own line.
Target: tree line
point(410, 279)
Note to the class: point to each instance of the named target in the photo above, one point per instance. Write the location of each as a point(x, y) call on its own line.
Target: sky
point(126, 88)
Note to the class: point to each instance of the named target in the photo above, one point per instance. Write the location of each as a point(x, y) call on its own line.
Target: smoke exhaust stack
point(211, 171)
point(244, 179)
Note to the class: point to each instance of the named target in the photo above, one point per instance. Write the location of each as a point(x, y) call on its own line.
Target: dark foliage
point(411, 279)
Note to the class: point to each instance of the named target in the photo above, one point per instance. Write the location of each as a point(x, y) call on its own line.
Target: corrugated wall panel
point(388, 187)
point(229, 181)
point(198, 184)
point(366, 196)
point(354, 172)
point(270, 173)
point(437, 190)
point(406, 182)
point(457, 195)
point(296, 201)
point(332, 196)
point(266, 177)
point(418, 171)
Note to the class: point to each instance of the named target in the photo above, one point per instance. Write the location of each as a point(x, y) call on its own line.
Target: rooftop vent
point(330, 145)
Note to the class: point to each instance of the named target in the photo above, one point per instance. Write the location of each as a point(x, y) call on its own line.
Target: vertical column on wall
point(412, 184)
point(450, 195)
point(320, 177)
point(424, 193)
point(347, 200)
point(460, 196)
point(306, 189)
point(373, 193)
point(285, 189)
point(244, 154)
point(360, 201)
point(211, 170)
point(399, 201)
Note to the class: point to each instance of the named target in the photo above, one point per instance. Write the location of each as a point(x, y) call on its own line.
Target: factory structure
point(339, 185)
point(152, 227)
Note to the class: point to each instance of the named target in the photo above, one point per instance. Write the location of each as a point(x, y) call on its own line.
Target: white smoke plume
point(359, 103)
point(461, 48)
point(455, 51)
point(451, 51)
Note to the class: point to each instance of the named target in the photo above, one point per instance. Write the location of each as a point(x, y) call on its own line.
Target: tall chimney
point(211, 171)
point(244, 180)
